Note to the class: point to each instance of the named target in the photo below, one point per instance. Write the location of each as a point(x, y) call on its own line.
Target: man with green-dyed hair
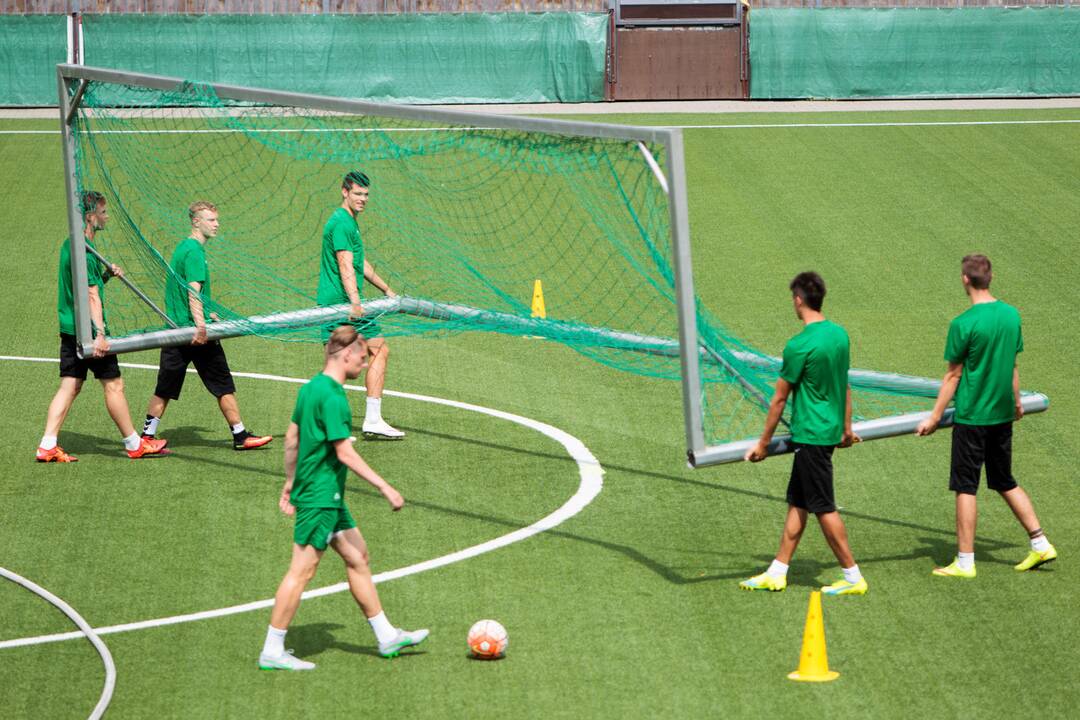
point(342, 265)
point(815, 375)
point(983, 376)
point(186, 291)
point(318, 455)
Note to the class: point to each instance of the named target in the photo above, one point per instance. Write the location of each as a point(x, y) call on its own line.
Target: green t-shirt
point(816, 363)
point(322, 413)
point(189, 265)
point(65, 297)
point(340, 233)
point(986, 339)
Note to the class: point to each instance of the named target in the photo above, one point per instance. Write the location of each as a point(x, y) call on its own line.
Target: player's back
point(986, 338)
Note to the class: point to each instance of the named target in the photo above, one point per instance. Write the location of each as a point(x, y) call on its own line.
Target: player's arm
point(945, 396)
point(97, 319)
point(373, 277)
point(292, 444)
point(850, 437)
point(776, 411)
point(348, 456)
point(348, 280)
point(195, 303)
point(1016, 393)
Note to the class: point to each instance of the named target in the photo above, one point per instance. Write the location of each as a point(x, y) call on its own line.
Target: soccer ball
point(488, 640)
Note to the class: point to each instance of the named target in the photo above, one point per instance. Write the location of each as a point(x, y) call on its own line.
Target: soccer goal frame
point(72, 81)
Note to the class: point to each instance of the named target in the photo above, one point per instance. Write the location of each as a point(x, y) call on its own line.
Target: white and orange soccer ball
point(488, 640)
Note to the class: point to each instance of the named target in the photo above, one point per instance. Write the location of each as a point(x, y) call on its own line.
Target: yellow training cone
point(538, 301)
point(814, 661)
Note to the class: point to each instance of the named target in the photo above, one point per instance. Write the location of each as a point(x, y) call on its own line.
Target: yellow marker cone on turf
point(538, 301)
point(814, 661)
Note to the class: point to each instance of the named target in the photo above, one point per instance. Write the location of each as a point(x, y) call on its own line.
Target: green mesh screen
point(461, 221)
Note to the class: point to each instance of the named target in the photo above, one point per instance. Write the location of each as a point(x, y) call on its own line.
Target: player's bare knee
point(114, 386)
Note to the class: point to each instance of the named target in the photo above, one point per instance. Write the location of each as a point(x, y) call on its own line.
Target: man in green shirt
point(73, 368)
point(318, 455)
point(981, 350)
point(815, 374)
point(186, 289)
point(341, 266)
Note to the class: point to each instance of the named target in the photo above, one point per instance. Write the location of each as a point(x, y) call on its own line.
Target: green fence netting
point(30, 48)
point(914, 52)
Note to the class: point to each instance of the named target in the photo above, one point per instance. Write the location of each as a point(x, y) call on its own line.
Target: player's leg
point(817, 476)
point(999, 477)
point(968, 454)
point(310, 523)
point(350, 544)
point(172, 369)
point(213, 369)
point(774, 579)
point(107, 371)
point(374, 380)
point(72, 375)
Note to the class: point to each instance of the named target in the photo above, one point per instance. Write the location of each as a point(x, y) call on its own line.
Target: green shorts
point(316, 526)
point(370, 329)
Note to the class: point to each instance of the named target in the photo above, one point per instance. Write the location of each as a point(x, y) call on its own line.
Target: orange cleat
point(57, 454)
point(148, 447)
point(247, 441)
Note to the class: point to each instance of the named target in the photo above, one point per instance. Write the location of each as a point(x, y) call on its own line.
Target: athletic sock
point(275, 642)
point(384, 631)
point(777, 569)
point(965, 561)
point(150, 425)
point(238, 428)
point(1039, 543)
point(48, 442)
point(374, 410)
point(852, 574)
point(132, 441)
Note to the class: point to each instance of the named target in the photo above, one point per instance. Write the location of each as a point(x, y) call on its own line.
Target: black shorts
point(210, 362)
point(811, 484)
point(976, 445)
point(71, 365)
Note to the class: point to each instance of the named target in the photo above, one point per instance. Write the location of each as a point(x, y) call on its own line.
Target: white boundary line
point(734, 126)
point(589, 487)
point(87, 631)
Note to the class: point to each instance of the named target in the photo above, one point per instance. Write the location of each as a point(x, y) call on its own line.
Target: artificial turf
point(631, 608)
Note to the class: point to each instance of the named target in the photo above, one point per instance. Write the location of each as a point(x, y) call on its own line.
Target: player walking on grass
point(318, 455)
point(104, 366)
point(187, 287)
point(815, 374)
point(981, 350)
point(342, 266)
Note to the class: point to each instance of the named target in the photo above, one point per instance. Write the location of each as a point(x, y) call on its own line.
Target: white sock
point(374, 410)
point(384, 631)
point(132, 441)
point(852, 574)
point(275, 642)
point(1038, 544)
point(48, 442)
point(777, 569)
point(965, 561)
point(238, 428)
point(150, 425)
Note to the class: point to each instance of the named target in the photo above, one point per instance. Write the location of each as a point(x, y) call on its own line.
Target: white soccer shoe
point(382, 429)
point(284, 661)
point(404, 639)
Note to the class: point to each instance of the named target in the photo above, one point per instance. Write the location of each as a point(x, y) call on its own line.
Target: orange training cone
point(814, 661)
point(538, 310)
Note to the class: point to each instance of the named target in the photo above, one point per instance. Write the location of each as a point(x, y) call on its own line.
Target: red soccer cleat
point(148, 447)
point(247, 441)
point(57, 454)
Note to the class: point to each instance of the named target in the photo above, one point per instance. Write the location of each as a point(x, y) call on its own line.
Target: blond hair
point(341, 338)
point(195, 207)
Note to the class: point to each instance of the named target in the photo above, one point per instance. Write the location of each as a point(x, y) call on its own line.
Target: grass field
point(630, 608)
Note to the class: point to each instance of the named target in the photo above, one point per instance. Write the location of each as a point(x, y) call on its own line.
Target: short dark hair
point(355, 177)
point(91, 201)
point(977, 269)
point(810, 287)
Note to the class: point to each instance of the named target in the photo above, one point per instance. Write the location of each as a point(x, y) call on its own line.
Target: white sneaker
point(382, 429)
point(284, 661)
point(403, 640)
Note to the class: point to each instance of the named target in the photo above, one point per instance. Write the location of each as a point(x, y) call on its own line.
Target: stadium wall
point(418, 58)
point(925, 52)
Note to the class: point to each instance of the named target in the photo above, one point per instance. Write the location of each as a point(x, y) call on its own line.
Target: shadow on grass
point(315, 638)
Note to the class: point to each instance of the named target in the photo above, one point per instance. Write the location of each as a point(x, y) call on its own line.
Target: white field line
point(589, 487)
point(87, 631)
point(735, 126)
